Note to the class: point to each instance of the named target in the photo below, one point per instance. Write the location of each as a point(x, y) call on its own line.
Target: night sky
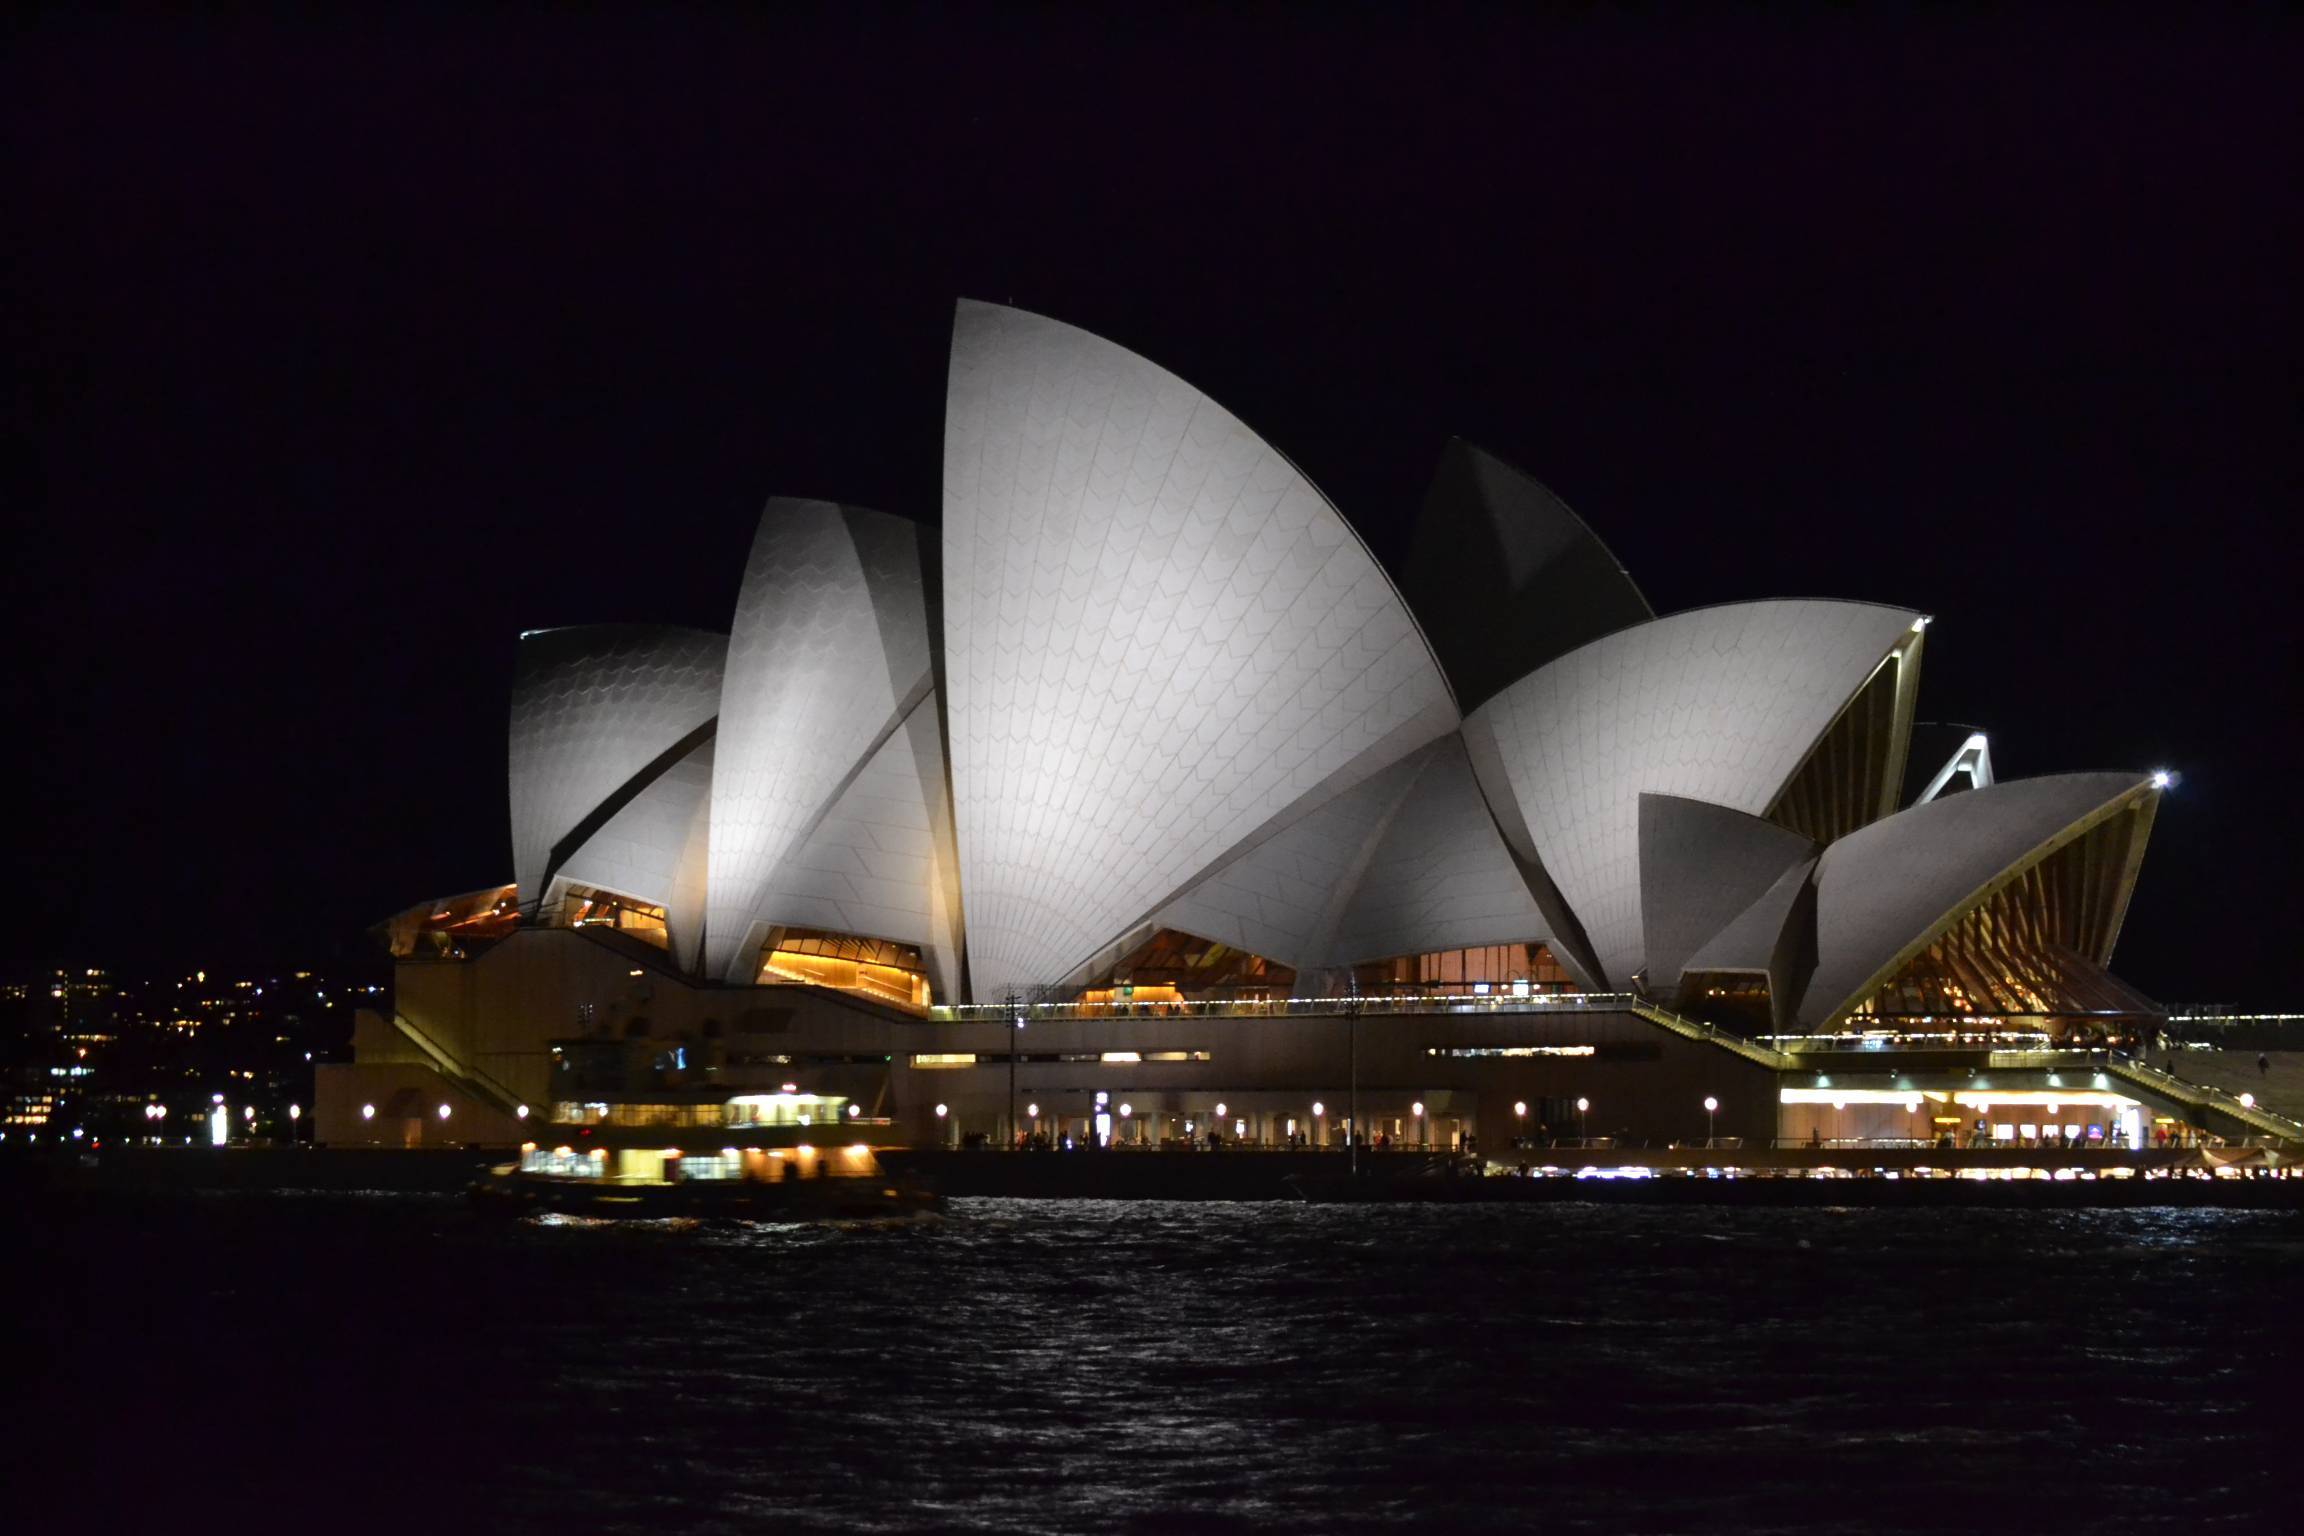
point(338, 355)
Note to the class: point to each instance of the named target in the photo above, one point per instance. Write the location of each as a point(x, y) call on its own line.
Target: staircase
point(452, 1067)
point(2201, 1098)
point(1774, 1060)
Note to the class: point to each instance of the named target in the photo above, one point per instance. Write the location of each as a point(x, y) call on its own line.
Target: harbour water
point(286, 1362)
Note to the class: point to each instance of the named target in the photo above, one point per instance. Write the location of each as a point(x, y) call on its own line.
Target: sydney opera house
point(1134, 801)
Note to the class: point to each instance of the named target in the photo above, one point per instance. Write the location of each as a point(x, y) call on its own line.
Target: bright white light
point(1318, 1109)
point(522, 1111)
point(367, 1111)
point(2247, 1101)
point(1710, 1103)
point(443, 1111)
point(2162, 778)
point(854, 1111)
point(249, 1113)
point(1417, 1109)
point(1520, 1108)
point(1126, 1111)
point(295, 1111)
point(215, 1098)
point(942, 1110)
point(1033, 1110)
point(1219, 1111)
point(1583, 1105)
point(1103, 1098)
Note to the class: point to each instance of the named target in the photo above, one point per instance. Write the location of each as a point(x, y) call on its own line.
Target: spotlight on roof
point(2164, 779)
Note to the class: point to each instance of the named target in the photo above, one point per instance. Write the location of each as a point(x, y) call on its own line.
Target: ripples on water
point(394, 1363)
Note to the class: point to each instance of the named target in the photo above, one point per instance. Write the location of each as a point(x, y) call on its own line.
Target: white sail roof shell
point(828, 653)
point(879, 863)
point(1441, 877)
point(1158, 637)
point(1284, 898)
point(1719, 704)
point(653, 850)
point(1883, 889)
point(594, 707)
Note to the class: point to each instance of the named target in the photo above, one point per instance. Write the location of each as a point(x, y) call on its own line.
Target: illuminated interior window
point(881, 969)
point(454, 926)
point(583, 907)
point(1173, 967)
point(1736, 999)
point(1494, 967)
point(784, 1109)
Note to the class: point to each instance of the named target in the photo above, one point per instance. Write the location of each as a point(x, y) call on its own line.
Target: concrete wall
point(500, 1010)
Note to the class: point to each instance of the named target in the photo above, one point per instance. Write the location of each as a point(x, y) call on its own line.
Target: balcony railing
point(1291, 1007)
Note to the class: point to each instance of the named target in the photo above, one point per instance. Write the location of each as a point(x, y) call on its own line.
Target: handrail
point(455, 1069)
point(1289, 1007)
point(1777, 1061)
point(1430, 1003)
point(2203, 1096)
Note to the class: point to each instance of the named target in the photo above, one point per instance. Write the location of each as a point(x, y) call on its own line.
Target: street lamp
point(521, 1111)
point(443, 1111)
point(1711, 1111)
point(2247, 1101)
point(1582, 1105)
point(295, 1113)
point(367, 1111)
point(1417, 1110)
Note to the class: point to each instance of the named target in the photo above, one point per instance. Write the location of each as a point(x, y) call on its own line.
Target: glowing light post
point(1711, 1114)
point(942, 1110)
point(1352, 1051)
point(1015, 1049)
point(1417, 1109)
point(1519, 1122)
point(295, 1113)
point(1583, 1137)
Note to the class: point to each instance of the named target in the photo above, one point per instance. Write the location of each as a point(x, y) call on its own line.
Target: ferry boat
point(757, 1157)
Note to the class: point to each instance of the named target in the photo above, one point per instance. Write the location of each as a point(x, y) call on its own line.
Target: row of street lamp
point(1319, 1111)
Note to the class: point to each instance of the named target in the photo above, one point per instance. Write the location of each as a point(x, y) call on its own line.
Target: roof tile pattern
point(878, 864)
point(1880, 888)
point(1442, 877)
point(653, 850)
point(1718, 704)
point(1158, 635)
point(592, 706)
point(828, 651)
point(1284, 897)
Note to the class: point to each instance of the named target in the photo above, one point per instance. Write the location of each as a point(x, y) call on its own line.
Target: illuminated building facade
point(1141, 747)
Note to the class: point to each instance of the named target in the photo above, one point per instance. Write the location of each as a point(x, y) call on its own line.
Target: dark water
point(351, 1363)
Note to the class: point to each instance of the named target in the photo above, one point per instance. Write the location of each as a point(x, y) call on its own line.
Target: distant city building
point(1134, 788)
point(139, 1059)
